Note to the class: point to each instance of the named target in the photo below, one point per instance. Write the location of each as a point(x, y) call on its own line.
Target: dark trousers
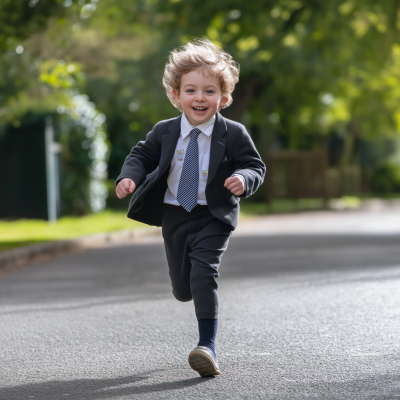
point(194, 243)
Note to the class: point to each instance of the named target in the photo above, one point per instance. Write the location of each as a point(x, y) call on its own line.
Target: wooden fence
point(305, 174)
point(297, 175)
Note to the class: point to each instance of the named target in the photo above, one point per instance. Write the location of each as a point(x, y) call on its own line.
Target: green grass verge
point(24, 232)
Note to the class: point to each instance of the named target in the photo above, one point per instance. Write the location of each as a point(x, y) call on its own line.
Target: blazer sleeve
point(248, 163)
point(143, 159)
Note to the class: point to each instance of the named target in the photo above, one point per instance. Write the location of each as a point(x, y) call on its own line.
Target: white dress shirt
point(204, 143)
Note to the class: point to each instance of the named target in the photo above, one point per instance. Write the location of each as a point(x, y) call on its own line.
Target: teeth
point(200, 108)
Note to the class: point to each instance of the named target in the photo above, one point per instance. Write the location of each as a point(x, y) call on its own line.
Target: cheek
point(214, 103)
point(187, 102)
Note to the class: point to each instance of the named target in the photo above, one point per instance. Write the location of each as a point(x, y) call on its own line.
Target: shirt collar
point(206, 127)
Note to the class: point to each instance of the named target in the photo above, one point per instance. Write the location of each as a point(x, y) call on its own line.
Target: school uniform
point(196, 240)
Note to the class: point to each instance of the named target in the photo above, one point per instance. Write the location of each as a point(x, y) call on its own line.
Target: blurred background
point(80, 85)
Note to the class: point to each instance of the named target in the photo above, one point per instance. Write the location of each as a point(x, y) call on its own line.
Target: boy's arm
point(142, 160)
point(248, 163)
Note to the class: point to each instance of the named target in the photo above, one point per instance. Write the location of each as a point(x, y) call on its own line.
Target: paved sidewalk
point(357, 222)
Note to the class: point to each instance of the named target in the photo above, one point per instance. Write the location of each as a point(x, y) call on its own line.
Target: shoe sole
point(201, 362)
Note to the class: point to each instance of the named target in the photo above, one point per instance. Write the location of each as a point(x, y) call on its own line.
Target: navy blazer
point(148, 164)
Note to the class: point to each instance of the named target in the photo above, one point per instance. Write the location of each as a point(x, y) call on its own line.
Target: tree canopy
point(309, 69)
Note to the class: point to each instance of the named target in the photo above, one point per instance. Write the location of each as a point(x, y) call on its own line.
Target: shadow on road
point(92, 389)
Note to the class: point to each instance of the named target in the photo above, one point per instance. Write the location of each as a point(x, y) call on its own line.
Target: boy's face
point(200, 96)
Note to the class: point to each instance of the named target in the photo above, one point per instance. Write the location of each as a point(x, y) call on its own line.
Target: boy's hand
point(125, 187)
point(235, 185)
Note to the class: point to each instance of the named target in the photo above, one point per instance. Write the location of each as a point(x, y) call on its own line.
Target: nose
point(199, 96)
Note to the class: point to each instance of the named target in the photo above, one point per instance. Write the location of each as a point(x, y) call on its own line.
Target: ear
point(177, 95)
point(223, 101)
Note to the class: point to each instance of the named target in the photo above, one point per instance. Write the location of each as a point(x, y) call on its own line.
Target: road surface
point(304, 314)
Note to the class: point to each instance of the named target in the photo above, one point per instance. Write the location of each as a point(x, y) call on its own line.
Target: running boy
point(188, 175)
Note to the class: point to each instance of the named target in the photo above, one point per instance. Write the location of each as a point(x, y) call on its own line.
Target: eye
point(190, 91)
point(210, 91)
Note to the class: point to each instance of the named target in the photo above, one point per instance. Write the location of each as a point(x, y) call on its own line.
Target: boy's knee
point(202, 273)
point(182, 295)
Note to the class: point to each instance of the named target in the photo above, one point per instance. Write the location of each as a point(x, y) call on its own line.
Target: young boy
point(188, 175)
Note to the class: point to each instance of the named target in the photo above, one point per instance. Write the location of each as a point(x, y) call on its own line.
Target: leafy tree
point(297, 58)
point(40, 83)
point(308, 69)
point(19, 19)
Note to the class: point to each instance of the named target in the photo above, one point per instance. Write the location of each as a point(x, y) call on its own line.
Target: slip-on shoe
point(202, 360)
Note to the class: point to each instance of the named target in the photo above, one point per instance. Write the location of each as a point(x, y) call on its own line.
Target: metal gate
point(23, 178)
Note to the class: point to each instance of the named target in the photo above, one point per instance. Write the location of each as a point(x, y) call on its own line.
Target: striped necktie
point(189, 181)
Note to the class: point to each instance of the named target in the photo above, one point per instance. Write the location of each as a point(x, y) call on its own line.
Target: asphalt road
point(313, 316)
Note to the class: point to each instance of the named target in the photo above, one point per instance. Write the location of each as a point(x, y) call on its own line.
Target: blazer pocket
point(149, 178)
point(232, 199)
point(145, 183)
point(142, 187)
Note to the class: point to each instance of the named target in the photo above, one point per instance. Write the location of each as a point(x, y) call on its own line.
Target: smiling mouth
point(200, 108)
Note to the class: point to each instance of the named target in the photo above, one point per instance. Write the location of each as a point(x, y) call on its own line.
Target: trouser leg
point(207, 245)
point(175, 230)
point(194, 244)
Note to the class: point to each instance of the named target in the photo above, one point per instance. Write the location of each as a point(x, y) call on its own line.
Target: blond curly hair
point(200, 53)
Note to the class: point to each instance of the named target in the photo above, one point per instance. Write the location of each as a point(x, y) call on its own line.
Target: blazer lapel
point(218, 144)
point(169, 141)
